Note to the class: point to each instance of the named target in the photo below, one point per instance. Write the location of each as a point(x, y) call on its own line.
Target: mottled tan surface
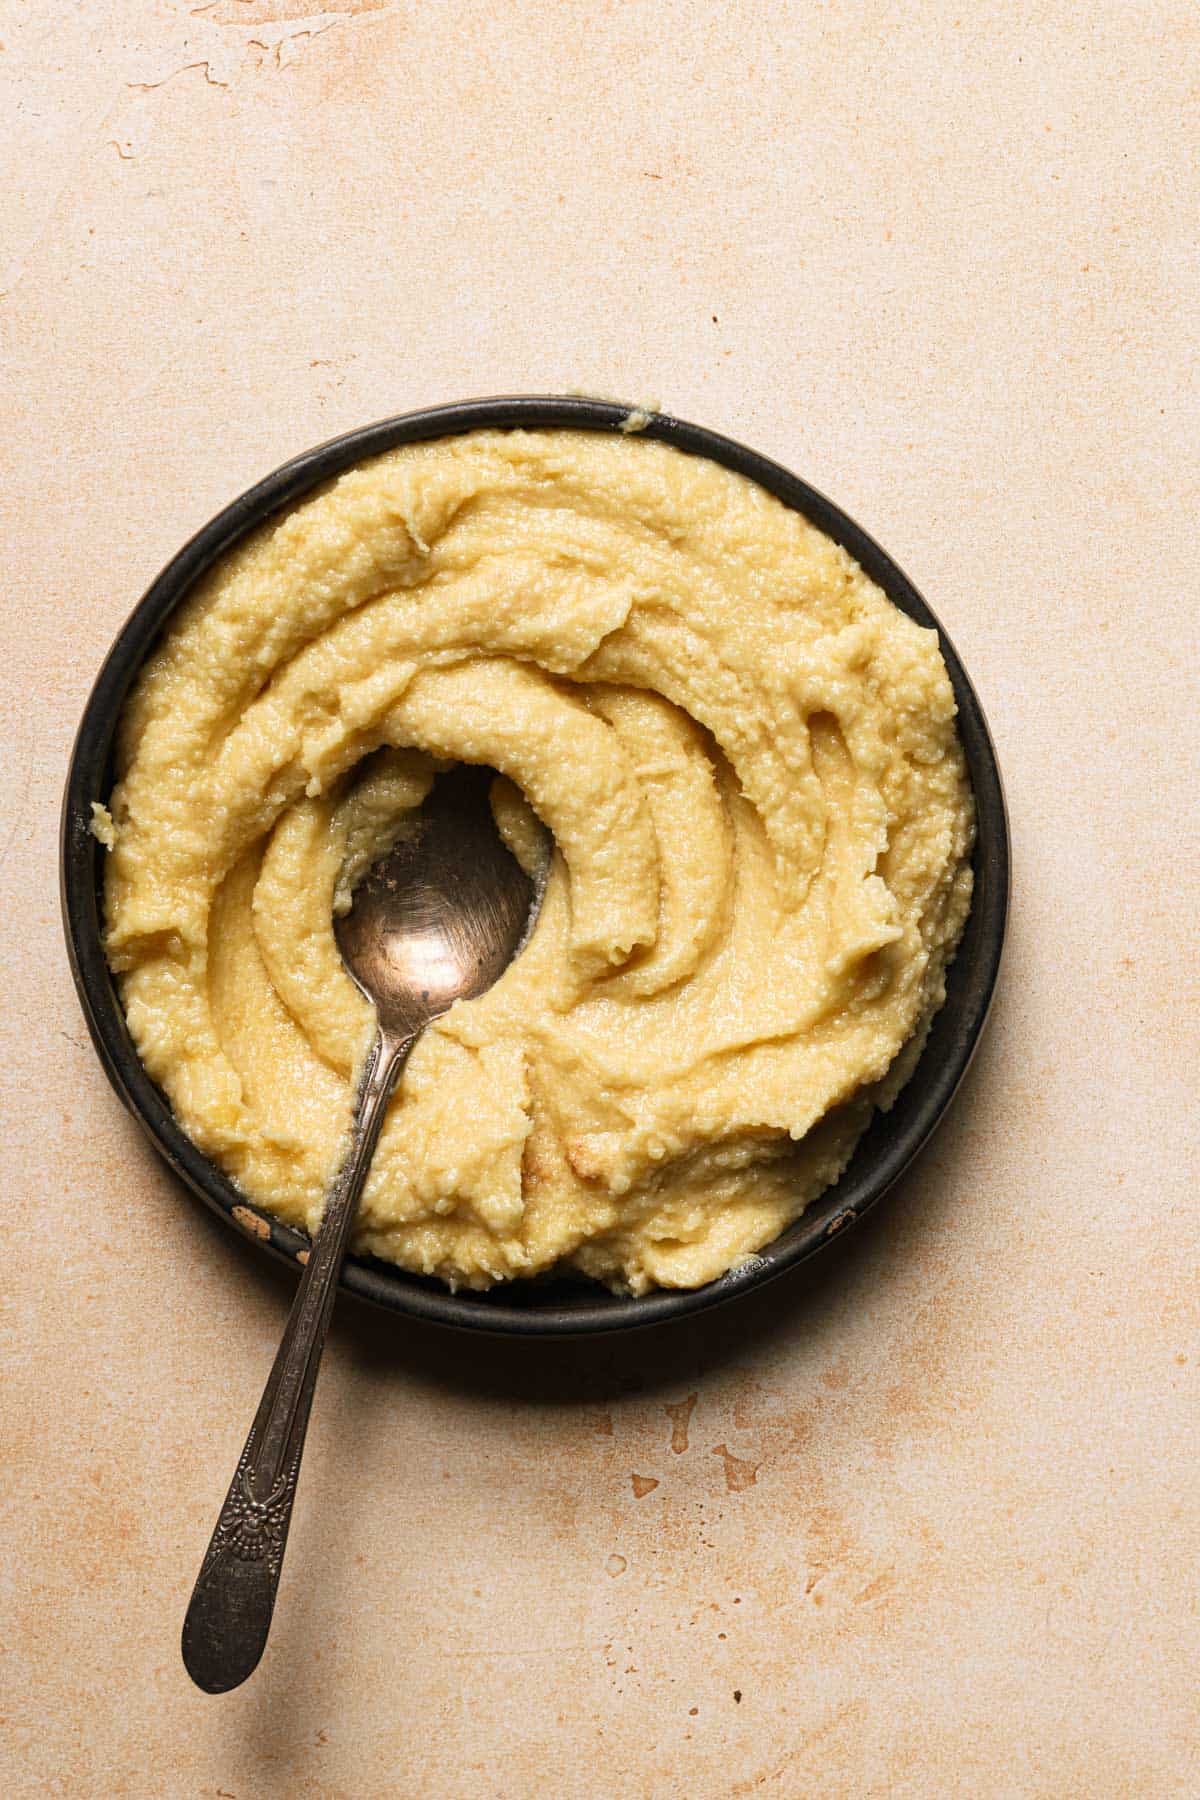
point(936, 1523)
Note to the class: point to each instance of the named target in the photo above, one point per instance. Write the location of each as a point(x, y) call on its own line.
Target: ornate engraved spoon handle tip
point(229, 1616)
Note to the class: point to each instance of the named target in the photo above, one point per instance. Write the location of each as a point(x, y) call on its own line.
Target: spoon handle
point(229, 1615)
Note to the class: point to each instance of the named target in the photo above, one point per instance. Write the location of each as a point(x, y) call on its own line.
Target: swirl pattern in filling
point(746, 757)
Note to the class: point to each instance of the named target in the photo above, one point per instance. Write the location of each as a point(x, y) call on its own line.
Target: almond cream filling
point(747, 759)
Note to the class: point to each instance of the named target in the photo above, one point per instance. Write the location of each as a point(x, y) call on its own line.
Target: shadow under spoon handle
point(229, 1615)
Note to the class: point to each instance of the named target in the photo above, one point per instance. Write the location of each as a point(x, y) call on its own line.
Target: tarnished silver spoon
point(438, 919)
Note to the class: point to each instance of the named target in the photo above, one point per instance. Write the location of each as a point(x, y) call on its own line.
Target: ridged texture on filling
point(747, 759)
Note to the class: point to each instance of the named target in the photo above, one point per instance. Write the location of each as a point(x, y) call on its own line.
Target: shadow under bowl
point(552, 1307)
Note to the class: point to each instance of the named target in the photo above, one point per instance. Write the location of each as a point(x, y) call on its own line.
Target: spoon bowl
point(442, 914)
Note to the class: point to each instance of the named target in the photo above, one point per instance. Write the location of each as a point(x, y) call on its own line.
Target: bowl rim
point(890, 1143)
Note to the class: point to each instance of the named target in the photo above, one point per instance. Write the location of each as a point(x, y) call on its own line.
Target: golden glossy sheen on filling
point(747, 759)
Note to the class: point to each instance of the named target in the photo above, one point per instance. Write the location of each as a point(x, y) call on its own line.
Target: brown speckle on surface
point(740, 1473)
point(680, 1415)
point(875, 1589)
point(643, 1485)
point(616, 1564)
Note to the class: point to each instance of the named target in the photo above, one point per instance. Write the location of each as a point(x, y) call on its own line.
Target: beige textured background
point(933, 1527)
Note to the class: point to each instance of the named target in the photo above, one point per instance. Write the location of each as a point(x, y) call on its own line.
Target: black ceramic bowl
point(547, 1308)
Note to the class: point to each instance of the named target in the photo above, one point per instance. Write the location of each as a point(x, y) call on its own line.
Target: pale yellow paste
point(746, 756)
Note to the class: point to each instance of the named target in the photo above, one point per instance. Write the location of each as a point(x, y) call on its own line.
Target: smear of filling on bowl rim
point(746, 756)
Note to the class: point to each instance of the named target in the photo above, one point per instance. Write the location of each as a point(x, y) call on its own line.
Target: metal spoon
point(437, 920)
